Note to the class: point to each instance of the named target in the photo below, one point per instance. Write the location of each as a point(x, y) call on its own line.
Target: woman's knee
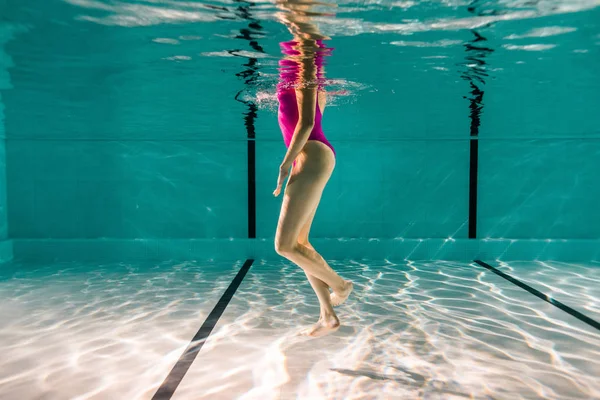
point(285, 247)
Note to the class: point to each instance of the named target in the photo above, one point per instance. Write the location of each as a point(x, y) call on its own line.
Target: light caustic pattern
point(438, 330)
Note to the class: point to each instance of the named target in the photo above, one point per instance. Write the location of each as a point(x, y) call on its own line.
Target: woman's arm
point(307, 103)
point(306, 99)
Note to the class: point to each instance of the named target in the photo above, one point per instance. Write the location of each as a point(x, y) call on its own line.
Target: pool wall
point(5, 244)
point(112, 155)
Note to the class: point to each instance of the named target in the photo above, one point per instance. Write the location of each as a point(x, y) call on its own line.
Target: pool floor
point(430, 330)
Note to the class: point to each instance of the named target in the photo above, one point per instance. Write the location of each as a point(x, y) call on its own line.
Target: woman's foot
point(324, 326)
point(338, 298)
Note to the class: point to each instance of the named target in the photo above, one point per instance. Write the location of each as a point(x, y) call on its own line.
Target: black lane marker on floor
point(170, 384)
point(542, 296)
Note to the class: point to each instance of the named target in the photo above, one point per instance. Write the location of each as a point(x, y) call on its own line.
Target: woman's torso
point(288, 114)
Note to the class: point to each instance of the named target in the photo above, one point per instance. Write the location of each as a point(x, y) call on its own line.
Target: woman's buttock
point(316, 156)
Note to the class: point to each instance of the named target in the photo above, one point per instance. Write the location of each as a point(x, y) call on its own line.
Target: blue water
point(125, 129)
point(121, 118)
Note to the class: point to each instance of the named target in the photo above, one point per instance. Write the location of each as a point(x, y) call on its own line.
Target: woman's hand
point(284, 171)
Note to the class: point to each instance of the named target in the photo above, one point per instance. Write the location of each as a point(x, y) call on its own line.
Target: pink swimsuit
point(286, 94)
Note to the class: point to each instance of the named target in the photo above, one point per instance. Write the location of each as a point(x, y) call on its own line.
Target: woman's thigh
point(303, 193)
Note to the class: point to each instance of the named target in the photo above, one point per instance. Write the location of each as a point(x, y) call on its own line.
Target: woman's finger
point(278, 188)
point(283, 173)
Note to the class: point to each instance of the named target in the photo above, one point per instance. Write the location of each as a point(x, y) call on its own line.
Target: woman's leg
point(303, 237)
point(301, 197)
point(318, 285)
point(321, 288)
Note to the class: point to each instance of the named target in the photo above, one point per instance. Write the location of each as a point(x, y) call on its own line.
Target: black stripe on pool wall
point(172, 381)
point(251, 76)
point(251, 189)
point(542, 296)
point(473, 167)
point(475, 72)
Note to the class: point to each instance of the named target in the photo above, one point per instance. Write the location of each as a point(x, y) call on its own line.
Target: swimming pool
point(139, 149)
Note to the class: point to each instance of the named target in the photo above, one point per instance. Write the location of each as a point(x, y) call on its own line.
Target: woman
point(311, 158)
